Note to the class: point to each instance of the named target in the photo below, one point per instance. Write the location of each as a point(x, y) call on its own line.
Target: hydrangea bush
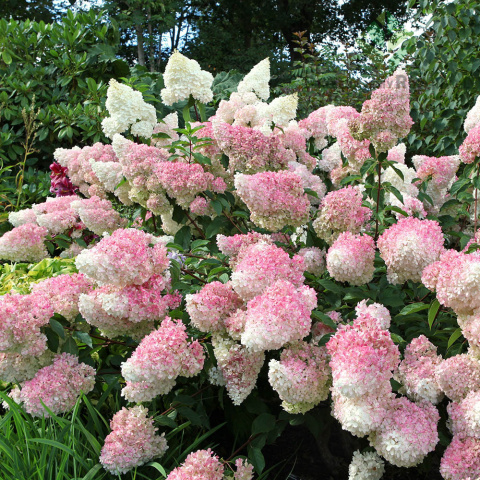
point(284, 268)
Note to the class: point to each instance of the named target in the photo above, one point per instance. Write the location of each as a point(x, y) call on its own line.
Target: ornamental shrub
point(217, 283)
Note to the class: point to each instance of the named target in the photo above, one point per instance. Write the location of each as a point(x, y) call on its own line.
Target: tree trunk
point(140, 49)
point(151, 43)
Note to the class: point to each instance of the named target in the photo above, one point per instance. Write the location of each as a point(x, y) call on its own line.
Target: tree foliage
point(446, 63)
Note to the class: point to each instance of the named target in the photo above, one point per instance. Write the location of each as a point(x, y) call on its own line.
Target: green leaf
point(183, 237)
point(454, 337)
point(202, 159)
point(432, 312)
point(186, 114)
point(264, 423)
point(331, 286)
point(57, 327)
point(413, 308)
point(7, 58)
point(395, 385)
point(189, 414)
point(256, 459)
point(397, 338)
point(217, 206)
point(310, 192)
point(214, 227)
point(70, 346)
point(158, 467)
point(83, 337)
point(324, 318)
point(166, 421)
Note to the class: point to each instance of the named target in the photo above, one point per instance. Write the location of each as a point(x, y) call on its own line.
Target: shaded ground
point(298, 457)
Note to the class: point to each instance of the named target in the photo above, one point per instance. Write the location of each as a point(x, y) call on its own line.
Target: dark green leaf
point(264, 423)
point(413, 308)
point(454, 337)
point(84, 338)
point(70, 346)
point(432, 312)
point(57, 327)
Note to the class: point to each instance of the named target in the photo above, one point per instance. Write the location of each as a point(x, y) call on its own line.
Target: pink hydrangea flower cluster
point(361, 415)
point(132, 441)
point(331, 158)
point(209, 147)
point(160, 358)
point(397, 153)
point(22, 217)
point(138, 160)
point(470, 325)
point(313, 259)
point(470, 148)
point(238, 366)
point(24, 243)
point(199, 465)
point(212, 305)
point(249, 150)
point(458, 376)
point(58, 386)
point(337, 116)
point(315, 126)
point(16, 368)
point(355, 151)
point(310, 181)
point(57, 215)
point(340, 211)
point(319, 329)
point(260, 265)
point(278, 316)
point(231, 245)
point(98, 215)
point(417, 371)
point(461, 460)
point(464, 416)
point(205, 465)
point(128, 310)
point(183, 181)
point(386, 116)
point(63, 292)
point(375, 310)
point(350, 258)
point(293, 138)
point(440, 170)
point(77, 161)
point(167, 125)
point(408, 432)
point(275, 199)
point(22, 316)
point(456, 280)
point(370, 369)
point(200, 206)
point(409, 246)
point(301, 377)
point(126, 257)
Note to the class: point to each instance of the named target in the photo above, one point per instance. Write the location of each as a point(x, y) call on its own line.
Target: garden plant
point(205, 281)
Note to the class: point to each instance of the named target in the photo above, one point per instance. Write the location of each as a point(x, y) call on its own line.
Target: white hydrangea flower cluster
point(257, 80)
point(473, 116)
point(366, 466)
point(301, 377)
point(184, 77)
point(238, 367)
point(127, 109)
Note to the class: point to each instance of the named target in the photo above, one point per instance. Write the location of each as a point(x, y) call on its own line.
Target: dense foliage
point(445, 69)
